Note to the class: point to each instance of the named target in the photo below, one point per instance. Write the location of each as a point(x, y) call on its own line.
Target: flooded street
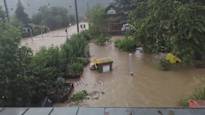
point(53, 38)
point(149, 87)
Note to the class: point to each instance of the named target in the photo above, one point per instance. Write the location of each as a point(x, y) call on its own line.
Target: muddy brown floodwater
point(149, 87)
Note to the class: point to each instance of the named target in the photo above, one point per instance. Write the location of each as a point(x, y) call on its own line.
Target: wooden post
point(130, 65)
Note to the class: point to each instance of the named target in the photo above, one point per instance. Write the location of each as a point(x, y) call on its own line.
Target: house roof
point(110, 6)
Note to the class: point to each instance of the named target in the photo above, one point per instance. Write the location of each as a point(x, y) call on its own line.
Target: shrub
point(87, 35)
point(199, 94)
point(76, 47)
point(128, 44)
point(79, 96)
point(84, 61)
point(76, 68)
point(101, 39)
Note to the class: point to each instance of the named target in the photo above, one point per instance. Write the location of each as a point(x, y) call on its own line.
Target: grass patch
point(198, 94)
point(79, 96)
point(101, 39)
point(128, 44)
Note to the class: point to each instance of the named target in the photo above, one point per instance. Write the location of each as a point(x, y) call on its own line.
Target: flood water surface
point(149, 87)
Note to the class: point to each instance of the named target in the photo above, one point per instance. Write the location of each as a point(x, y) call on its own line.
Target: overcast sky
point(32, 6)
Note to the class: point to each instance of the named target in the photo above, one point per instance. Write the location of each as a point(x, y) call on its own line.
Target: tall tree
point(21, 14)
point(97, 19)
point(175, 26)
point(2, 14)
point(53, 17)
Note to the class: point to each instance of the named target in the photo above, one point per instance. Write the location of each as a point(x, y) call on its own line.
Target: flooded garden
point(147, 53)
point(149, 87)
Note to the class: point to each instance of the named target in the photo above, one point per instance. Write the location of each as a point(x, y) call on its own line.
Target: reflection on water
point(149, 87)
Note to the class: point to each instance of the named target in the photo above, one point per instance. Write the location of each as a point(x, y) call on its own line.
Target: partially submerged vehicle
point(102, 65)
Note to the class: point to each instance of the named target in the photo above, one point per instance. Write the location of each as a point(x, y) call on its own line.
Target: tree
point(2, 15)
point(97, 19)
point(53, 17)
point(170, 26)
point(13, 68)
point(21, 15)
point(24, 80)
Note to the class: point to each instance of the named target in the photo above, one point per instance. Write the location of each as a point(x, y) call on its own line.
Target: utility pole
point(6, 8)
point(77, 19)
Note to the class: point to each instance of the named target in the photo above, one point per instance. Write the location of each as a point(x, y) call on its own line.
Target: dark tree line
point(53, 17)
point(176, 26)
point(47, 17)
point(21, 14)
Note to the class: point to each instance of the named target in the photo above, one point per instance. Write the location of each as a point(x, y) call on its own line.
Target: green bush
point(199, 94)
point(76, 68)
point(84, 61)
point(36, 75)
point(76, 47)
point(101, 39)
point(170, 26)
point(80, 96)
point(87, 35)
point(128, 44)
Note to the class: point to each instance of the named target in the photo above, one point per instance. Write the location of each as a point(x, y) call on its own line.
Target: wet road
point(149, 87)
point(53, 38)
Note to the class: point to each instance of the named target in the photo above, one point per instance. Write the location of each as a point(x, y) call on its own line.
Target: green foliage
point(76, 69)
point(53, 17)
point(79, 96)
point(15, 22)
point(101, 39)
point(199, 94)
point(47, 63)
point(170, 26)
point(87, 35)
point(76, 47)
point(84, 61)
point(36, 75)
point(67, 61)
point(2, 15)
point(75, 53)
point(21, 15)
point(97, 29)
point(14, 69)
point(97, 20)
point(128, 44)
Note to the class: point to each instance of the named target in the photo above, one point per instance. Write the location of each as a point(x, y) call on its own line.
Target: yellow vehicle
point(101, 64)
